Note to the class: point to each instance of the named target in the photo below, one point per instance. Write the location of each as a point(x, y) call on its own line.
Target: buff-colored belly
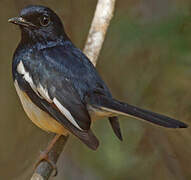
point(39, 117)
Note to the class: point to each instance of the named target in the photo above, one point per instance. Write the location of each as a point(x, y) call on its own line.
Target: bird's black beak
point(20, 21)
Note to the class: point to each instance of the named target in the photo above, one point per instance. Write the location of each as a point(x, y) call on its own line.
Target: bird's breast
point(39, 117)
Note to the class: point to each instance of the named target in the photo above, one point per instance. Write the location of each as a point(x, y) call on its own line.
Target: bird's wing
point(51, 84)
point(82, 74)
point(46, 84)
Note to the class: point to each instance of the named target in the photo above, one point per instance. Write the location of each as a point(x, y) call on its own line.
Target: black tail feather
point(117, 107)
point(116, 127)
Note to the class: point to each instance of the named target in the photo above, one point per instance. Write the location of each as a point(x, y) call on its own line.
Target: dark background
point(145, 60)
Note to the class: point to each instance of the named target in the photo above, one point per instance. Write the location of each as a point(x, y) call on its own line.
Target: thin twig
point(96, 36)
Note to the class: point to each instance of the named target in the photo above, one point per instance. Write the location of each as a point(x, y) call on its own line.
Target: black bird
point(58, 86)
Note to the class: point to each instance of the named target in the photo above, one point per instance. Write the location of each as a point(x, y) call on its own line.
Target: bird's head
point(39, 24)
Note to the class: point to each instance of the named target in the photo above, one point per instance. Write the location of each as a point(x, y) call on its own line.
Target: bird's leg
point(44, 156)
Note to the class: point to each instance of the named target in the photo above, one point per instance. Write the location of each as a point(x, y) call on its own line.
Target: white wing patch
point(21, 68)
point(39, 90)
point(26, 76)
point(44, 93)
point(66, 113)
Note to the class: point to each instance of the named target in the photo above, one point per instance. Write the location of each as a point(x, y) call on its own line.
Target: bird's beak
point(20, 21)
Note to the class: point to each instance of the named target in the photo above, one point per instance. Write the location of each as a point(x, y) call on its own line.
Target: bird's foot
point(44, 157)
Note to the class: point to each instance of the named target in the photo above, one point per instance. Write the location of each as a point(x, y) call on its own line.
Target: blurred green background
point(145, 60)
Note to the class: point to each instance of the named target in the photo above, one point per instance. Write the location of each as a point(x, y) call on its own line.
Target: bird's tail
point(116, 107)
point(116, 126)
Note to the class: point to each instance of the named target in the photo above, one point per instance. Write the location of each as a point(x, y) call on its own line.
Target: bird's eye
point(45, 21)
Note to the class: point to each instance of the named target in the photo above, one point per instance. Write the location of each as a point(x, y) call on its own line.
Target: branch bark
point(101, 20)
point(44, 170)
point(103, 15)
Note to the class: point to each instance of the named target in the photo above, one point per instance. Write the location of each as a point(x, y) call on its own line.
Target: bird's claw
point(44, 157)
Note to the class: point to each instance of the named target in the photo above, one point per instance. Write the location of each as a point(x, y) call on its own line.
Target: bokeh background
point(145, 60)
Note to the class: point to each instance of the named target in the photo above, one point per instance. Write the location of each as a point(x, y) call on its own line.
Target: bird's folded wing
point(55, 95)
point(52, 86)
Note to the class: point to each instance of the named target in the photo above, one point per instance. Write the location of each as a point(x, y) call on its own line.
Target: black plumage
point(58, 77)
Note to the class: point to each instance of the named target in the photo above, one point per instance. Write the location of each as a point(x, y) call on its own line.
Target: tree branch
point(98, 29)
point(96, 36)
point(44, 169)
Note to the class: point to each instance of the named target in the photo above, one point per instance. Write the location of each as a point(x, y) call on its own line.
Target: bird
point(59, 88)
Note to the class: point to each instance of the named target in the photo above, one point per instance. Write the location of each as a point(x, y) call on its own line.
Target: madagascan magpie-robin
point(59, 87)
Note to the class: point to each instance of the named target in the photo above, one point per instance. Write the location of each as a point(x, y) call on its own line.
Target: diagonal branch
point(103, 15)
point(44, 170)
point(101, 20)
